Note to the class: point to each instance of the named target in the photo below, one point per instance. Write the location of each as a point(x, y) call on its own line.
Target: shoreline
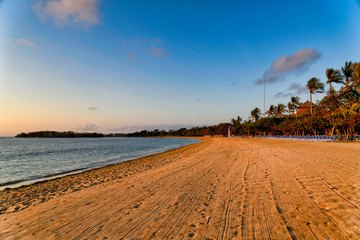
point(91, 174)
point(220, 188)
point(20, 183)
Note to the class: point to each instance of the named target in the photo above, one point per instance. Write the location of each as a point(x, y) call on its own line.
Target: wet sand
point(221, 188)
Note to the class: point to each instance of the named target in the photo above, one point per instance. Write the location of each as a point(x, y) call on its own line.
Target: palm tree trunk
point(332, 130)
point(311, 104)
point(346, 82)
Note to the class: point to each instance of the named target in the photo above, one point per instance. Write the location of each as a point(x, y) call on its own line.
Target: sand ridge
point(222, 188)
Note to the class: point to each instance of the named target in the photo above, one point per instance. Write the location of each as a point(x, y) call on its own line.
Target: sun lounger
point(330, 139)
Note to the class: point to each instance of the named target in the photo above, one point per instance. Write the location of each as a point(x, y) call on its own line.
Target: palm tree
point(271, 111)
point(293, 104)
point(255, 114)
point(315, 86)
point(290, 107)
point(352, 109)
point(280, 109)
point(236, 122)
point(295, 100)
point(348, 72)
point(356, 75)
point(349, 113)
point(333, 76)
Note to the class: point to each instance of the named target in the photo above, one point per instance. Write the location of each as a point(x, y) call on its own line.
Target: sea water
point(25, 160)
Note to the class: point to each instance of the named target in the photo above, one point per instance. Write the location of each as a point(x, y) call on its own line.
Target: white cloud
point(298, 62)
point(26, 42)
point(66, 12)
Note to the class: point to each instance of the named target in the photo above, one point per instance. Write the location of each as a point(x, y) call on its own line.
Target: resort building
point(303, 109)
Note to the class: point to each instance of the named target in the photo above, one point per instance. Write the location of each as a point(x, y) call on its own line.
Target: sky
point(127, 65)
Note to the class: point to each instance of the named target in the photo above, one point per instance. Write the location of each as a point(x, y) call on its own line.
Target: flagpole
point(264, 97)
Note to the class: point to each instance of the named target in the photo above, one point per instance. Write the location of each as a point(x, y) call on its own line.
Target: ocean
point(27, 160)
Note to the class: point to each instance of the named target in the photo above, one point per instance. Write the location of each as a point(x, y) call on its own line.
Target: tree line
point(220, 129)
point(55, 134)
point(338, 112)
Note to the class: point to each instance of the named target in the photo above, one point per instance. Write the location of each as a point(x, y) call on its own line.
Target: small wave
point(40, 177)
point(53, 160)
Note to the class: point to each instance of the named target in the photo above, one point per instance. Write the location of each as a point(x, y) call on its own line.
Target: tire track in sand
point(224, 188)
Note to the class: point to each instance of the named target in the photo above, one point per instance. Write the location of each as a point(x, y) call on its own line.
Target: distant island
point(216, 130)
point(54, 134)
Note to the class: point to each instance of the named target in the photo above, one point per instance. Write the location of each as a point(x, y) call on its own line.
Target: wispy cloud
point(233, 84)
point(157, 40)
point(283, 95)
point(297, 63)
point(93, 108)
point(66, 12)
point(24, 42)
point(131, 56)
point(294, 89)
point(139, 46)
point(133, 47)
point(88, 127)
point(298, 88)
point(160, 52)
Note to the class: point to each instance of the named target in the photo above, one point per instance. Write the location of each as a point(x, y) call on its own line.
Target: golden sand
point(221, 188)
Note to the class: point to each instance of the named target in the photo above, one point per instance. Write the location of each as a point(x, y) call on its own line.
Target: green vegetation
point(338, 112)
point(315, 86)
point(220, 129)
point(54, 134)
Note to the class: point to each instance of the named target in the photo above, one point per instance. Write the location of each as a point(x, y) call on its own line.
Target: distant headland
point(216, 130)
point(54, 134)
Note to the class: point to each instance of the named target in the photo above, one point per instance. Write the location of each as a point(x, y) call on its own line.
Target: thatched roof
point(306, 104)
point(303, 109)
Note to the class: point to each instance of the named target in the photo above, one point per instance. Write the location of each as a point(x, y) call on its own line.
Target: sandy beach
point(221, 188)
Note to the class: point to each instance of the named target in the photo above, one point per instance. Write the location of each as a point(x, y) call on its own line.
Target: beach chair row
point(306, 138)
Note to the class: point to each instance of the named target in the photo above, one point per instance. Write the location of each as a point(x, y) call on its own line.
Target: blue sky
point(120, 66)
